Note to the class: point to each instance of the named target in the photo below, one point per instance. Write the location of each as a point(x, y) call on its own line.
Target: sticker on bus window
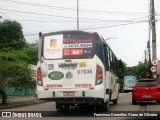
point(73, 40)
point(78, 45)
point(53, 43)
point(53, 47)
point(73, 52)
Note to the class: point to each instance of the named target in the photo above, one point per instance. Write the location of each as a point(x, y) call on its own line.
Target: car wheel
point(158, 101)
point(133, 102)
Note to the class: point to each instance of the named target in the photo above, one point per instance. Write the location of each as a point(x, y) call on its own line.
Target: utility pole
point(153, 29)
point(77, 14)
point(145, 62)
point(149, 52)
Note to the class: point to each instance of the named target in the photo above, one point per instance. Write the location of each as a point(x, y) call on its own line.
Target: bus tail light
point(99, 75)
point(39, 77)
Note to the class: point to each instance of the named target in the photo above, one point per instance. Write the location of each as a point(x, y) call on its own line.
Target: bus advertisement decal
point(73, 40)
point(78, 45)
point(82, 64)
point(50, 66)
point(68, 66)
point(56, 75)
point(53, 43)
point(69, 75)
point(53, 46)
point(73, 52)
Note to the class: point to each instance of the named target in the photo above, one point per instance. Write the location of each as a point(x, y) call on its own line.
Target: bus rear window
point(69, 46)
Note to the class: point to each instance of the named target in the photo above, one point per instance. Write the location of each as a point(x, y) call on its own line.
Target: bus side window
point(108, 53)
point(115, 64)
point(106, 57)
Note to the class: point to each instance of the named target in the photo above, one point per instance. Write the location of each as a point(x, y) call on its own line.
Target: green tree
point(142, 70)
point(122, 69)
point(121, 72)
point(14, 72)
point(32, 53)
point(29, 54)
point(15, 57)
point(11, 35)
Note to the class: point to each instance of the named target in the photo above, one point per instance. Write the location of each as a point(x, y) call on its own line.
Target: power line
point(57, 2)
point(24, 15)
point(38, 5)
point(50, 15)
point(32, 20)
point(36, 13)
point(10, 19)
point(101, 27)
point(70, 9)
point(82, 21)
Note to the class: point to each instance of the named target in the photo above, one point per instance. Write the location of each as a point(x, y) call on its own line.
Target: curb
point(11, 105)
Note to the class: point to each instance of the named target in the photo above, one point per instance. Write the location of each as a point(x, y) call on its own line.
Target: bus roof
point(66, 31)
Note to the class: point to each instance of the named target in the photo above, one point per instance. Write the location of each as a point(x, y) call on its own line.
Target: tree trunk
point(3, 96)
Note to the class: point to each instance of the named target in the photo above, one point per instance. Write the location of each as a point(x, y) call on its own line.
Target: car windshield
point(146, 83)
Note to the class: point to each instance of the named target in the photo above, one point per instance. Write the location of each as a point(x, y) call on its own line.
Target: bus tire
point(106, 106)
point(133, 102)
point(110, 96)
point(115, 102)
point(61, 108)
point(158, 101)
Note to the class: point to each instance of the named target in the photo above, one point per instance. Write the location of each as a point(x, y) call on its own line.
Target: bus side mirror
point(44, 69)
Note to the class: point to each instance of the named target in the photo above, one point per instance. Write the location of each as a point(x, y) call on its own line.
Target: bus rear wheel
point(158, 101)
point(115, 102)
point(133, 102)
point(61, 107)
point(106, 106)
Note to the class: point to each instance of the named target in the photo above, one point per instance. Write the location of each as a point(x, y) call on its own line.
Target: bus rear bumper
point(74, 97)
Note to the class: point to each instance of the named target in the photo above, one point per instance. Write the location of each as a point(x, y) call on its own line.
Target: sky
point(124, 23)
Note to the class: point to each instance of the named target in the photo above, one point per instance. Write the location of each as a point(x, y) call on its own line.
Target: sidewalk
point(18, 101)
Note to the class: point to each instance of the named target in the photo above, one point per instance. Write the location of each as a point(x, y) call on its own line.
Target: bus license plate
point(68, 93)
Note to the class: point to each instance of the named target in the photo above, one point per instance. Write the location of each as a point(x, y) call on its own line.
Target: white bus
point(76, 68)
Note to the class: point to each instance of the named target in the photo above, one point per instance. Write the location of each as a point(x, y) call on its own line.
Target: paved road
point(124, 104)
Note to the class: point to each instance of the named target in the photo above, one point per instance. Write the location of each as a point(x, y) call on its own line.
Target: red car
point(146, 90)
